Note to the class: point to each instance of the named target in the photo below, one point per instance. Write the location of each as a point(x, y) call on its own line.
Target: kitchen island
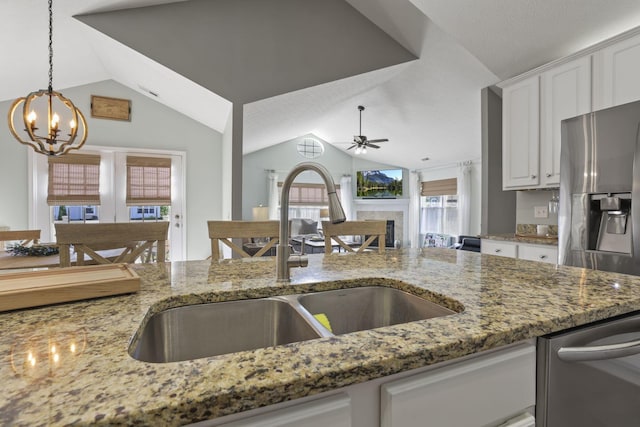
point(498, 301)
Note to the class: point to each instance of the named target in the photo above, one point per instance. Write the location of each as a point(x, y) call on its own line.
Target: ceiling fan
point(360, 142)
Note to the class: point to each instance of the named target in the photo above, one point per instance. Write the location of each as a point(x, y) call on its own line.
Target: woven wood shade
point(148, 181)
point(74, 179)
point(441, 187)
point(302, 194)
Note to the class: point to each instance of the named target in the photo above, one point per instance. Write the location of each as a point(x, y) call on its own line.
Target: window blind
point(441, 187)
point(74, 179)
point(148, 181)
point(308, 194)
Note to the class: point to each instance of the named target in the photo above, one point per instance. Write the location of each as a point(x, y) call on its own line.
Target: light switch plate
point(540, 212)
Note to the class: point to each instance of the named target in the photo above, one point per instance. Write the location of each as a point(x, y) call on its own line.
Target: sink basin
point(203, 330)
point(357, 309)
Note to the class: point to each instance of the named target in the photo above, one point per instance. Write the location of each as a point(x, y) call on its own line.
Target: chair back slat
point(224, 231)
point(133, 238)
point(370, 229)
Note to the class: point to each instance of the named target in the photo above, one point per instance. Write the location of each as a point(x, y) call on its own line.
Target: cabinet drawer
point(538, 253)
point(478, 392)
point(505, 249)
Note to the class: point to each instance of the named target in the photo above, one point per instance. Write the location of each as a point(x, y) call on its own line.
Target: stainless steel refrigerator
point(598, 219)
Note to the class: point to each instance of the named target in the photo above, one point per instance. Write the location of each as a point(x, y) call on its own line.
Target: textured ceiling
point(429, 107)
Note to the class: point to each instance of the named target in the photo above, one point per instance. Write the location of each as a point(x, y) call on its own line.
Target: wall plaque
point(103, 107)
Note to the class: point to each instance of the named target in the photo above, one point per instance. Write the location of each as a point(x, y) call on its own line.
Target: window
point(310, 148)
point(307, 200)
point(439, 212)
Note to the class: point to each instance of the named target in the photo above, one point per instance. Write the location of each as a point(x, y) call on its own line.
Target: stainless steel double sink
point(204, 330)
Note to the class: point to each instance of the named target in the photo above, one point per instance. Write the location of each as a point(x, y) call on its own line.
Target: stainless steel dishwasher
point(590, 376)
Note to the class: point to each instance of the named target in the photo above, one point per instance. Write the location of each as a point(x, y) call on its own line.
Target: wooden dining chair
point(125, 241)
point(25, 237)
point(224, 231)
point(367, 230)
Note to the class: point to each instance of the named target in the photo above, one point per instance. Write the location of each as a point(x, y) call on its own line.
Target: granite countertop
point(505, 300)
point(523, 238)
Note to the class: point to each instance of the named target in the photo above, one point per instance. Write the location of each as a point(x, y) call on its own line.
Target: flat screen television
point(379, 183)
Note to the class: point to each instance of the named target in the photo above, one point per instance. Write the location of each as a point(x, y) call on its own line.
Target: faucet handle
point(297, 261)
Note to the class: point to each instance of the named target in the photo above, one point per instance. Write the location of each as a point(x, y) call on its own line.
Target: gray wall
point(254, 49)
point(527, 200)
point(152, 126)
point(498, 207)
point(283, 157)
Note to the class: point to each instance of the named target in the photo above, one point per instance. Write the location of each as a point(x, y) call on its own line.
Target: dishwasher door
point(590, 376)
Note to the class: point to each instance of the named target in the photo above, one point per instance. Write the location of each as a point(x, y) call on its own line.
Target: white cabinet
point(542, 253)
point(500, 248)
point(329, 411)
point(528, 251)
point(532, 111)
point(565, 92)
point(520, 134)
point(616, 74)
point(485, 390)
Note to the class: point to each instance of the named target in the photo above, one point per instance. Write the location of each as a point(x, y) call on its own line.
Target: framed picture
point(103, 107)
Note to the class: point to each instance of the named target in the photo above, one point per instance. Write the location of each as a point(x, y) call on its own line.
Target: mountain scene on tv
point(380, 183)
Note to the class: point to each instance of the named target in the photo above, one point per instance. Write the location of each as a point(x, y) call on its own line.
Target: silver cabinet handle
point(548, 175)
point(533, 176)
point(600, 352)
point(543, 257)
point(498, 251)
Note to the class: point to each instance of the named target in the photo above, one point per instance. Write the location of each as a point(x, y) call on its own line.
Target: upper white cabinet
point(616, 74)
point(565, 92)
point(520, 134)
point(532, 111)
point(533, 108)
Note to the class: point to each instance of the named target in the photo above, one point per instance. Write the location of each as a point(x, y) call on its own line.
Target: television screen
point(383, 184)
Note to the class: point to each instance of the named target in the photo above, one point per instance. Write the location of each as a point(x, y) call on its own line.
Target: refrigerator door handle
point(600, 352)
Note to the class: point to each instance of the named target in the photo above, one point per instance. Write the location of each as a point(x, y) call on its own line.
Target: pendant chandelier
point(58, 138)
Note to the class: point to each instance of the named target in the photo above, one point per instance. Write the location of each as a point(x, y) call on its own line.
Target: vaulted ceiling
point(196, 62)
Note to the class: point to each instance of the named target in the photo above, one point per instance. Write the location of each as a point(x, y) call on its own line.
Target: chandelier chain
point(50, 46)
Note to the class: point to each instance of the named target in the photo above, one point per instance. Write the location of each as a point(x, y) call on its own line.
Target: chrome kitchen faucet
point(284, 260)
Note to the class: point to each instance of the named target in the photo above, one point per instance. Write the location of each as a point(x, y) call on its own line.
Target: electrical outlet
point(540, 212)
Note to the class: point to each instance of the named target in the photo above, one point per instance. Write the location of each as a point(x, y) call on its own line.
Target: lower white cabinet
point(482, 391)
point(493, 247)
point(491, 388)
point(528, 251)
point(329, 411)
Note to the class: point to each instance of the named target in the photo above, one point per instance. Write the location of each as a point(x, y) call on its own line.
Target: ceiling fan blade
point(372, 145)
point(352, 146)
point(378, 140)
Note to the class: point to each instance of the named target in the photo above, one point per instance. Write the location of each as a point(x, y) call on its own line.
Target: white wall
point(476, 189)
point(284, 156)
point(152, 126)
point(527, 200)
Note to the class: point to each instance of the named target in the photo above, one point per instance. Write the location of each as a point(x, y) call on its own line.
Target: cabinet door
point(477, 392)
point(492, 247)
point(520, 134)
point(616, 71)
point(329, 411)
point(538, 253)
point(565, 93)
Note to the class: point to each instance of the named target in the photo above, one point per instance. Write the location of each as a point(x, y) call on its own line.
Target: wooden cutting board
point(56, 285)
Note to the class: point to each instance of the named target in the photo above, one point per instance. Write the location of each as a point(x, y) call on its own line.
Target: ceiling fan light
point(358, 150)
point(364, 150)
